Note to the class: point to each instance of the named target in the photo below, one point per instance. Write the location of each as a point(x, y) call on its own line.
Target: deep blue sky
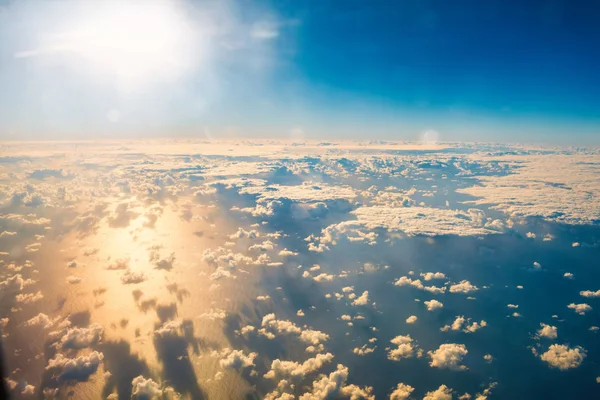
point(471, 70)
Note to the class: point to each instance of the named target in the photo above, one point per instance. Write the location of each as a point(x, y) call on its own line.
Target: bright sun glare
point(137, 42)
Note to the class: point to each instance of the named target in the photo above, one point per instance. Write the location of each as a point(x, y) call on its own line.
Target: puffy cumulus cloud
point(28, 390)
point(406, 281)
point(39, 320)
point(79, 338)
point(12, 285)
point(402, 392)
point(145, 389)
point(580, 309)
point(433, 304)
point(306, 192)
point(449, 355)
point(292, 369)
point(235, 359)
point(122, 263)
point(428, 276)
point(76, 369)
point(441, 393)
point(547, 331)
point(73, 280)
point(28, 298)
point(589, 293)
point(214, 314)
point(169, 328)
point(412, 319)
point(223, 257)
point(562, 357)
point(334, 386)
point(405, 348)
point(464, 324)
point(362, 300)
point(569, 275)
point(463, 286)
point(271, 324)
point(363, 350)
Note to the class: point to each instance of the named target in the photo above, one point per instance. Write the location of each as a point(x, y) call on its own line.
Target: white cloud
point(464, 324)
point(580, 309)
point(402, 392)
point(334, 386)
point(132, 277)
point(412, 319)
point(79, 338)
point(463, 286)
point(569, 275)
point(405, 348)
point(235, 359)
point(547, 331)
point(433, 304)
point(433, 275)
point(142, 388)
point(449, 356)
point(441, 393)
point(79, 368)
point(291, 369)
point(589, 293)
point(39, 320)
point(562, 357)
point(362, 300)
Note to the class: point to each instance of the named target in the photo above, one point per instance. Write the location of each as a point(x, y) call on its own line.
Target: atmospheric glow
point(136, 43)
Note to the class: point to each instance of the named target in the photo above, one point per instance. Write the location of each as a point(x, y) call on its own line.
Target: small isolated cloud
point(406, 281)
point(463, 286)
point(488, 358)
point(537, 265)
point(77, 369)
point(132, 277)
point(441, 393)
point(428, 276)
point(412, 319)
point(433, 304)
point(562, 357)
point(405, 348)
point(146, 389)
point(464, 324)
point(449, 356)
point(235, 359)
point(73, 280)
point(569, 275)
point(292, 369)
point(547, 331)
point(589, 293)
point(402, 392)
point(39, 320)
point(362, 300)
point(580, 309)
point(79, 338)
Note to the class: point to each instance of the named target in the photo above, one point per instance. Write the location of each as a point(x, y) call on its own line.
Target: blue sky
point(470, 70)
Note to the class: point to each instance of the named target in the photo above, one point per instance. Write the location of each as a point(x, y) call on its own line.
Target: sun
point(135, 42)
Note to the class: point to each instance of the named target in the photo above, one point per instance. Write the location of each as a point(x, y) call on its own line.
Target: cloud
point(73, 280)
point(449, 356)
point(562, 357)
point(142, 388)
point(405, 348)
point(39, 320)
point(589, 293)
point(235, 359)
point(433, 304)
point(334, 386)
point(580, 309)
point(463, 286)
point(464, 324)
point(406, 281)
point(291, 369)
point(79, 338)
point(362, 300)
point(132, 277)
point(214, 314)
point(441, 393)
point(433, 275)
point(77, 369)
point(547, 331)
point(309, 336)
point(411, 320)
point(401, 392)
point(29, 298)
